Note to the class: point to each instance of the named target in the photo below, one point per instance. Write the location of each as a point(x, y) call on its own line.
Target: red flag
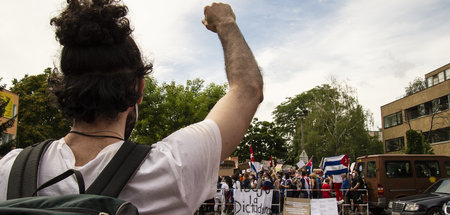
point(271, 161)
point(310, 162)
point(310, 165)
point(344, 161)
point(252, 158)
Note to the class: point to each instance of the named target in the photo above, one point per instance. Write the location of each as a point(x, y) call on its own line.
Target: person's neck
point(86, 147)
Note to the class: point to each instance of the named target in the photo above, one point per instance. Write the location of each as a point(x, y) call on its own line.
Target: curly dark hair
point(101, 64)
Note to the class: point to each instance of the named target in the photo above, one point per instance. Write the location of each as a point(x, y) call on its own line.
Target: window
point(371, 169)
point(421, 109)
point(447, 167)
point(447, 74)
point(435, 79)
point(441, 77)
point(360, 169)
point(435, 104)
point(426, 169)
point(398, 169)
point(438, 135)
point(393, 120)
point(395, 144)
point(14, 110)
point(429, 81)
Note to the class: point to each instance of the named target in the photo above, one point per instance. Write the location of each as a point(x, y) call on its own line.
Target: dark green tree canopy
point(169, 107)
point(39, 119)
point(266, 141)
point(416, 143)
point(334, 123)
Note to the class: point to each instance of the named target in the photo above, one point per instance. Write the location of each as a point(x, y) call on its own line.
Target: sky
point(376, 47)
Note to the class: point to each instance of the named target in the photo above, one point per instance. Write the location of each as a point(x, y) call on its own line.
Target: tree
point(415, 142)
point(335, 122)
point(169, 107)
point(415, 86)
point(5, 146)
point(38, 119)
point(265, 139)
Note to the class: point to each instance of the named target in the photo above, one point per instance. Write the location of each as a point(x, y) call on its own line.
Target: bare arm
point(234, 112)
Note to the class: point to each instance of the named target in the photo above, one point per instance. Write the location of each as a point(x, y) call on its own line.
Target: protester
point(305, 185)
point(314, 186)
point(260, 180)
point(345, 187)
point(267, 184)
point(355, 194)
point(337, 183)
point(100, 87)
point(276, 181)
point(253, 181)
point(221, 195)
point(246, 184)
point(326, 189)
point(236, 181)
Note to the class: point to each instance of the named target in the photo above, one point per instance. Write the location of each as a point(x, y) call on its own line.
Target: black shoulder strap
point(27, 162)
point(110, 182)
point(119, 170)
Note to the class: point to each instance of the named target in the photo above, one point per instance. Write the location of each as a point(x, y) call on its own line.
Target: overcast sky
point(377, 47)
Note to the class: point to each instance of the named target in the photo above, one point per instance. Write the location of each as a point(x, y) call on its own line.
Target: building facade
point(426, 111)
point(10, 112)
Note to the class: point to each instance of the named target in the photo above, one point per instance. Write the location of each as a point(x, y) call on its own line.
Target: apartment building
point(10, 112)
point(426, 111)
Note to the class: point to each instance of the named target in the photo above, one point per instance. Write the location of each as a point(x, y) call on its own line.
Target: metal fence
point(226, 205)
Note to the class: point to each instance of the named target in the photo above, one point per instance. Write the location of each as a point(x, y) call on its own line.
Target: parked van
point(390, 176)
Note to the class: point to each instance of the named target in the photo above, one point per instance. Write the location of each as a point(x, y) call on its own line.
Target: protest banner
point(297, 206)
point(251, 202)
point(327, 206)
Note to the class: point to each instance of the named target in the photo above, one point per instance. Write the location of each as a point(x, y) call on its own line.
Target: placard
point(327, 206)
point(296, 206)
point(247, 201)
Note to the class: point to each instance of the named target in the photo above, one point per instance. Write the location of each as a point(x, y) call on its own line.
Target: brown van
point(390, 176)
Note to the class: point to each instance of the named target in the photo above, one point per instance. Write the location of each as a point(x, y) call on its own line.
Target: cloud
point(378, 47)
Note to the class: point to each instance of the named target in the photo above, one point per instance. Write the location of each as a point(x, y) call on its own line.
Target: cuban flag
point(335, 165)
point(252, 162)
point(309, 166)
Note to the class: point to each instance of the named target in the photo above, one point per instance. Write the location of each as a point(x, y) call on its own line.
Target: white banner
point(327, 206)
point(252, 201)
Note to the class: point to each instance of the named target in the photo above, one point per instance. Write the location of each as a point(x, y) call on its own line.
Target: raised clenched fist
point(217, 14)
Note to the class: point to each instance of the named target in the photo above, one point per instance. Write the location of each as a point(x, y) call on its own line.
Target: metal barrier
point(226, 205)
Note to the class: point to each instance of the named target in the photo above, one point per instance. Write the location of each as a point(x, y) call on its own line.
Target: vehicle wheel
point(434, 211)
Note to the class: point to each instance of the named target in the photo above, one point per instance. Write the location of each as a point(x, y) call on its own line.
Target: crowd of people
point(295, 183)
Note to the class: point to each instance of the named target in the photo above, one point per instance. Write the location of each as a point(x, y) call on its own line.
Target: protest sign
point(248, 201)
point(327, 206)
point(296, 206)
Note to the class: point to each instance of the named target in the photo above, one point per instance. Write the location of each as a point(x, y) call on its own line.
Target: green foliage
point(265, 139)
point(335, 123)
point(169, 107)
point(416, 143)
point(38, 120)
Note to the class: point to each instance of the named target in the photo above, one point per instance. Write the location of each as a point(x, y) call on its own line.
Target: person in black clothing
point(246, 183)
point(355, 195)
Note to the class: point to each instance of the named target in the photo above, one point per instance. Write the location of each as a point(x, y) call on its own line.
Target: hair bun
point(92, 23)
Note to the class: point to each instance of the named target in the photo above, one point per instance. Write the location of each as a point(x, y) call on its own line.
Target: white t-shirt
point(337, 179)
point(178, 175)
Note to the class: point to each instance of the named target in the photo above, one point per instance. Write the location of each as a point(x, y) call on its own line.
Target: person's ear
point(141, 89)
